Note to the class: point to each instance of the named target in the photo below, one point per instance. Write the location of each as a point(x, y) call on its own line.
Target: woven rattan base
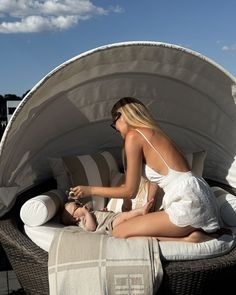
point(197, 277)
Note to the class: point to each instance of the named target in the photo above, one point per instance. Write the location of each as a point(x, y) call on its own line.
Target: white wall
point(11, 106)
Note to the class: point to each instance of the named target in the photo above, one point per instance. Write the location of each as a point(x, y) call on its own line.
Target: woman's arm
point(133, 150)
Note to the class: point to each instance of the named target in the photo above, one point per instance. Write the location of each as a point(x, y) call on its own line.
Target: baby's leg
point(133, 213)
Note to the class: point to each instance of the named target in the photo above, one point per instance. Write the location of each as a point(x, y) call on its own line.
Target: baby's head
point(71, 213)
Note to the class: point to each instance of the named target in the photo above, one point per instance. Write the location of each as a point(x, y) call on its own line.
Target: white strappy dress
point(188, 199)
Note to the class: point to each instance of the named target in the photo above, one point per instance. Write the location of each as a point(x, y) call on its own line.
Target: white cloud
point(231, 47)
point(35, 24)
point(29, 16)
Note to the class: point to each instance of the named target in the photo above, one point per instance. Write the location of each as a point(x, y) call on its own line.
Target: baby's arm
point(89, 221)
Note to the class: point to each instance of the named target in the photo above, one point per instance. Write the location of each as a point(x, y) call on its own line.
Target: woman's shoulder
point(133, 141)
point(135, 136)
point(132, 135)
point(146, 133)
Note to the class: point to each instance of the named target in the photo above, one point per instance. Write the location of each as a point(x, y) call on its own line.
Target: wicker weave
point(28, 260)
point(207, 276)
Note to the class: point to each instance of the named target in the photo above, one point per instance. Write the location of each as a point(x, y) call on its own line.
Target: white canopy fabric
point(68, 111)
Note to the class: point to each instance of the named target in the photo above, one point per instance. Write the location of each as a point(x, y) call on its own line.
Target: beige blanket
point(89, 263)
point(96, 264)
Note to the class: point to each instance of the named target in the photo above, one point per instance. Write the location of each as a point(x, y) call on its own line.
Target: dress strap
point(153, 147)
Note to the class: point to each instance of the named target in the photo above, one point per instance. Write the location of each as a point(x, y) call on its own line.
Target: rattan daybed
point(193, 99)
point(208, 276)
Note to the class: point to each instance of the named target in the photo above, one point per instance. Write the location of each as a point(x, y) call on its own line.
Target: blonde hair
point(134, 112)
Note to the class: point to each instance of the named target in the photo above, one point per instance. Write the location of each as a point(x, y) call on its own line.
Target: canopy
point(68, 111)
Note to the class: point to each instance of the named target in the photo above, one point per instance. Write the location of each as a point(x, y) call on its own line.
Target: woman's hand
point(80, 191)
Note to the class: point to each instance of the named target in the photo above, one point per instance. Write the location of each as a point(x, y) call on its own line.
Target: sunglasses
point(113, 124)
point(70, 196)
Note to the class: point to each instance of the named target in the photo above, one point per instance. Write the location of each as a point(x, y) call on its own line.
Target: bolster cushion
point(40, 209)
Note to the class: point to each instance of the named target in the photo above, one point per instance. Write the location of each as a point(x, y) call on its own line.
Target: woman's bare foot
point(200, 236)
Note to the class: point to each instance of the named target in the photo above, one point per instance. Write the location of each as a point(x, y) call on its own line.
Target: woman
point(189, 210)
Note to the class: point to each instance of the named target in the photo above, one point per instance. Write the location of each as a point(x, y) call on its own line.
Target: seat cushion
point(170, 250)
point(189, 251)
point(43, 235)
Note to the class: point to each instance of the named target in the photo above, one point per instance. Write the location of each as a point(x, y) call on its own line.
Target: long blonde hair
point(134, 112)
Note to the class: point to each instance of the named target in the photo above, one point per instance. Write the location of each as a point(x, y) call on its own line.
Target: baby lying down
point(99, 221)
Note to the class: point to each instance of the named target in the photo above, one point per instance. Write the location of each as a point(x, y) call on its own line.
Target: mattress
point(169, 250)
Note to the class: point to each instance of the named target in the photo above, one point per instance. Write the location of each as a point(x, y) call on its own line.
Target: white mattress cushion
point(43, 236)
point(40, 209)
point(171, 250)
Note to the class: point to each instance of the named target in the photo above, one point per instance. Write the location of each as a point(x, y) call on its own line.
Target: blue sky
point(38, 35)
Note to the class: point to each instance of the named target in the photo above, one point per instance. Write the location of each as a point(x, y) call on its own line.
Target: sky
point(36, 36)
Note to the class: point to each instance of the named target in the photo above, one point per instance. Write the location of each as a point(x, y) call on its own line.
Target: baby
point(99, 221)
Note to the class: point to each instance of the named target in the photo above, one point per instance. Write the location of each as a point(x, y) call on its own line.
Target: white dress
point(188, 199)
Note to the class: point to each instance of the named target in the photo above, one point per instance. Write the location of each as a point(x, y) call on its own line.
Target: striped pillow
point(227, 205)
point(115, 204)
point(95, 170)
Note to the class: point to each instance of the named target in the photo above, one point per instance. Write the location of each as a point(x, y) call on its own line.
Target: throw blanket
point(95, 264)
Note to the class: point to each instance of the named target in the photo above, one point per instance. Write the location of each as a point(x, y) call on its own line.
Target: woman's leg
point(158, 224)
point(133, 213)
